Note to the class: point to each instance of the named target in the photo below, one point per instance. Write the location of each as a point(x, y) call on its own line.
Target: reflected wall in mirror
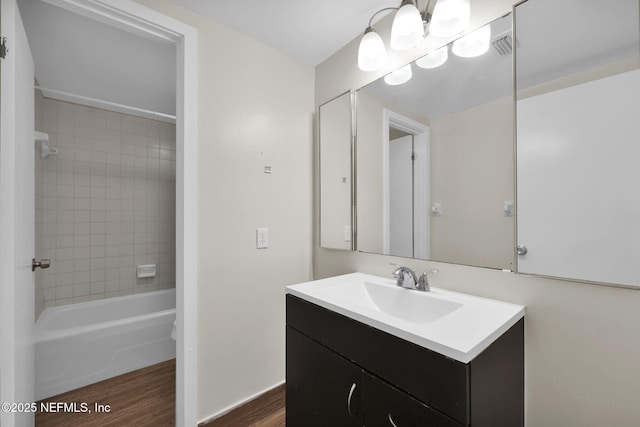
point(435, 156)
point(336, 189)
point(578, 139)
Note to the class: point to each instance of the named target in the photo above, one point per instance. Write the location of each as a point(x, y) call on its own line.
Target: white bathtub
point(80, 344)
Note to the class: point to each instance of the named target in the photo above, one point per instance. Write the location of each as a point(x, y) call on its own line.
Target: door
point(401, 196)
point(323, 388)
point(16, 218)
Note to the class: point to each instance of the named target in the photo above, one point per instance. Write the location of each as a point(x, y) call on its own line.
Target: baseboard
point(254, 400)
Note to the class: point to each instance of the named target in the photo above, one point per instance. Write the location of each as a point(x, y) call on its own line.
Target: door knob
point(43, 263)
point(522, 250)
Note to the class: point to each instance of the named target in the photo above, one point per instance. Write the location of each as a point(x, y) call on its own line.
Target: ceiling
point(307, 30)
point(83, 57)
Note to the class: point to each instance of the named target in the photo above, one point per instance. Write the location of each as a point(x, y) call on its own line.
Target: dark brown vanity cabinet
point(341, 372)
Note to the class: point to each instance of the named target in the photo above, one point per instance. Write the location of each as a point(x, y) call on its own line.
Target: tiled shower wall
point(108, 203)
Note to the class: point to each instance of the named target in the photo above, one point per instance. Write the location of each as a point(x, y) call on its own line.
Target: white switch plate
point(262, 238)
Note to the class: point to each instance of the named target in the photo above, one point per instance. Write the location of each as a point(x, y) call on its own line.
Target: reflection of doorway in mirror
point(406, 186)
point(401, 160)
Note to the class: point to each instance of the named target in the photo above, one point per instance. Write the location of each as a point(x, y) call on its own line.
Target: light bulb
point(434, 59)
point(399, 76)
point(473, 44)
point(372, 54)
point(407, 30)
point(450, 17)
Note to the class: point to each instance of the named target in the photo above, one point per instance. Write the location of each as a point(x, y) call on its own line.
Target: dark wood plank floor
point(267, 410)
point(141, 398)
point(147, 398)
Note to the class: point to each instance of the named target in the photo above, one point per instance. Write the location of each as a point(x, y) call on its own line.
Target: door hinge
point(3, 47)
point(413, 156)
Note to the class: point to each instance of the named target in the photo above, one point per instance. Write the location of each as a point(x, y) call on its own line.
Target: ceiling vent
point(503, 44)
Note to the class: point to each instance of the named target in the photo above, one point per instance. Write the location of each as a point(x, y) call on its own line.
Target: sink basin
point(411, 306)
point(454, 324)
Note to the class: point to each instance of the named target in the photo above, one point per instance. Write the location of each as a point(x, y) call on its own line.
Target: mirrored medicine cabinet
point(336, 183)
point(578, 140)
point(435, 175)
point(435, 160)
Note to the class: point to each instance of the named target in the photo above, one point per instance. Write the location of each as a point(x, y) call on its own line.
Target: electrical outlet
point(262, 238)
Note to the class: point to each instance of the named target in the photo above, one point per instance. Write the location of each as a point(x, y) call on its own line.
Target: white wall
point(472, 177)
point(256, 109)
point(582, 346)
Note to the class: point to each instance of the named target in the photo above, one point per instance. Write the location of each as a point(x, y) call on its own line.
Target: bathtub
point(80, 344)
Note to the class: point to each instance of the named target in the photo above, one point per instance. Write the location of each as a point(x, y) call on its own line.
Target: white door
point(401, 196)
point(16, 218)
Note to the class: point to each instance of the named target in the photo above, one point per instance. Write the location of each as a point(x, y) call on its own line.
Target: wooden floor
point(141, 398)
point(267, 410)
point(147, 398)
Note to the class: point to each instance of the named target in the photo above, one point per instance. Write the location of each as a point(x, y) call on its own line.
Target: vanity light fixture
point(473, 44)
point(434, 59)
point(450, 17)
point(399, 76)
point(371, 54)
point(409, 28)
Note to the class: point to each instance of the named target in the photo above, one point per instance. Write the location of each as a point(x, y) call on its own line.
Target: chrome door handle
point(353, 388)
point(43, 263)
point(522, 249)
point(391, 421)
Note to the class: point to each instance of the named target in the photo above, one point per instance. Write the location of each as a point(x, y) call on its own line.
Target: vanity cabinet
point(341, 372)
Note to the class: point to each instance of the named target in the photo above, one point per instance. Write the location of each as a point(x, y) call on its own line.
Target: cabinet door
point(323, 388)
point(386, 406)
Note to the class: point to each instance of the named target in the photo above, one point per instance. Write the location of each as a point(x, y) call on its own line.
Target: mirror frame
point(352, 177)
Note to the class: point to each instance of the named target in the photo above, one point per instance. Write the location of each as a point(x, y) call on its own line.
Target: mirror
point(578, 140)
point(435, 158)
point(335, 173)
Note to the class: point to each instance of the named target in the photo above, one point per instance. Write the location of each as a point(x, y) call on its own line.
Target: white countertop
point(460, 327)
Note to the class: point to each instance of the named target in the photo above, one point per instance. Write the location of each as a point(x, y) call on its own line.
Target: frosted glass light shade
point(434, 59)
point(372, 54)
point(450, 17)
point(407, 30)
point(473, 44)
point(399, 76)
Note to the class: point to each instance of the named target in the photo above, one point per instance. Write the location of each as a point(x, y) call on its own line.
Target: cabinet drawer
point(436, 380)
point(386, 406)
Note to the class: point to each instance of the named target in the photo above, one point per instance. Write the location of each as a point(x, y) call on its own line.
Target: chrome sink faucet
point(406, 278)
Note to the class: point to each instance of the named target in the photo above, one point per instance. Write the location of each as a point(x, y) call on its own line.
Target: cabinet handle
point(353, 388)
point(391, 421)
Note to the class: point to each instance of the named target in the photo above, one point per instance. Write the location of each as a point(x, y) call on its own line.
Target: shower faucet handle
point(43, 263)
